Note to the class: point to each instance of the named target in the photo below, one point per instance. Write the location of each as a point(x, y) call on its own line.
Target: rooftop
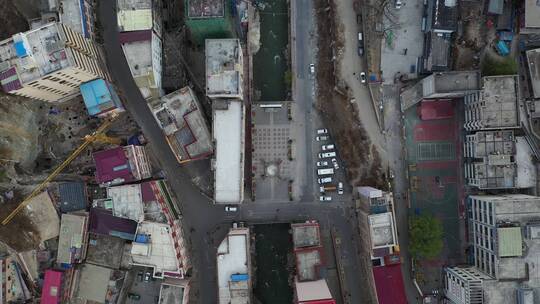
point(532, 11)
point(452, 84)
point(112, 165)
point(93, 283)
point(74, 16)
point(308, 262)
point(439, 51)
point(41, 212)
point(533, 59)
point(52, 287)
point(382, 230)
point(171, 294)
point(500, 101)
point(389, 278)
point(138, 52)
point(496, 7)
point(306, 235)
point(233, 258)
point(99, 97)
point(127, 201)
point(156, 250)
point(510, 242)
point(134, 15)
point(33, 54)
point(228, 131)
point(72, 196)
point(72, 240)
point(182, 120)
point(205, 8)
point(103, 250)
point(103, 222)
point(306, 292)
point(224, 68)
point(442, 15)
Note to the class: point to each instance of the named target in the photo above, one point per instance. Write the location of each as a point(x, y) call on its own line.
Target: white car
point(322, 138)
point(322, 163)
point(340, 188)
point(398, 4)
point(363, 77)
point(325, 198)
point(322, 131)
point(334, 162)
point(327, 155)
point(312, 69)
point(324, 180)
point(327, 147)
point(231, 208)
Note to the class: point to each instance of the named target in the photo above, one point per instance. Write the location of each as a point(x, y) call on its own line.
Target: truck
point(328, 171)
point(330, 188)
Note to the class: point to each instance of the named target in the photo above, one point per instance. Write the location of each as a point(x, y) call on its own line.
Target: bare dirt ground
point(363, 163)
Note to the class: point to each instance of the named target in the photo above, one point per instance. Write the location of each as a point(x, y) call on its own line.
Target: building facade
point(463, 285)
point(48, 63)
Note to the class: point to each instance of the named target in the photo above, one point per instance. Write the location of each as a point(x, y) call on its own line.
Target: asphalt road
point(205, 223)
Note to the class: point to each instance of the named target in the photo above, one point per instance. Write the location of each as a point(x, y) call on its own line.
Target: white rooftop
point(232, 258)
point(127, 201)
point(41, 52)
point(159, 252)
point(228, 131)
point(224, 68)
point(312, 290)
point(382, 230)
point(72, 237)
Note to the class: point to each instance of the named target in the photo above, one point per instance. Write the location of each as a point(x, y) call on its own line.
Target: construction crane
point(98, 135)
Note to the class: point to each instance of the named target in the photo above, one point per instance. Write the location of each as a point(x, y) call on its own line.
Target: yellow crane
point(98, 135)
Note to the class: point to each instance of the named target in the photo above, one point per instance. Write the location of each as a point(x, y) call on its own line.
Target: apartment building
point(495, 106)
point(224, 69)
point(48, 63)
point(463, 285)
point(121, 165)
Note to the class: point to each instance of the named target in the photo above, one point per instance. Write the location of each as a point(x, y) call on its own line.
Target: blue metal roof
point(99, 97)
point(72, 196)
point(239, 277)
point(20, 49)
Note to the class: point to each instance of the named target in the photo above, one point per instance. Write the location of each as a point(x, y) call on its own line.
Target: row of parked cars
point(326, 166)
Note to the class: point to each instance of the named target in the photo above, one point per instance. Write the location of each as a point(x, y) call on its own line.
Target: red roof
point(52, 287)
point(439, 109)
point(319, 302)
point(112, 164)
point(389, 284)
point(134, 36)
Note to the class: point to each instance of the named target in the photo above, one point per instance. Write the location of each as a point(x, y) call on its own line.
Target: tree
point(425, 237)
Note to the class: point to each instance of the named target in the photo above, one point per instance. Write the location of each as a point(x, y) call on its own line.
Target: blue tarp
point(20, 49)
point(502, 48)
point(142, 238)
point(239, 277)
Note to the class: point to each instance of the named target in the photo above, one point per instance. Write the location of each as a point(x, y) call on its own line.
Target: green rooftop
point(510, 242)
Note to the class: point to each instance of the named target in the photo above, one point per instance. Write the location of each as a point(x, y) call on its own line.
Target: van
point(327, 147)
point(328, 171)
point(360, 34)
point(322, 131)
point(327, 155)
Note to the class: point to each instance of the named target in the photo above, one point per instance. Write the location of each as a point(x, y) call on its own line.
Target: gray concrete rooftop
point(307, 264)
point(500, 101)
point(133, 4)
point(224, 68)
point(103, 250)
point(306, 235)
point(205, 8)
point(533, 60)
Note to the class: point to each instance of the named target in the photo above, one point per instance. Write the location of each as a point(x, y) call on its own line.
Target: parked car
point(322, 163)
point(335, 163)
point(324, 180)
point(140, 276)
point(340, 188)
point(322, 131)
point(327, 155)
point(363, 77)
point(325, 198)
point(360, 50)
point(312, 68)
point(328, 147)
point(147, 276)
point(399, 4)
point(134, 296)
point(231, 208)
point(322, 138)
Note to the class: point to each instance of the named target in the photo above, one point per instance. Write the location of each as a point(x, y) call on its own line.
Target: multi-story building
point(13, 287)
point(504, 232)
point(224, 69)
point(234, 267)
point(48, 63)
point(208, 19)
point(182, 120)
point(495, 106)
point(121, 165)
point(139, 15)
point(72, 240)
point(100, 98)
point(498, 160)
